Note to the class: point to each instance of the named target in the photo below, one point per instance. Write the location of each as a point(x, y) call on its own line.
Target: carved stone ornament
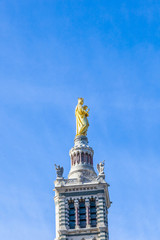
point(59, 171)
point(100, 168)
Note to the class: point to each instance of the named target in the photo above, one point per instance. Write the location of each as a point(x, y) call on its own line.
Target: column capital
point(76, 203)
point(87, 202)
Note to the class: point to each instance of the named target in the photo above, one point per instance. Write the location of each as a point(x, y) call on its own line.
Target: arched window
point(82, 157)
point(87, 158)
point(82, 214)
point(78, 158)
point(71, 215)
point(93, 215)
point(91, 160)
point(74, 159)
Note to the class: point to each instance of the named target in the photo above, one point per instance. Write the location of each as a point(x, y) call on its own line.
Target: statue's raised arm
point(81, 112)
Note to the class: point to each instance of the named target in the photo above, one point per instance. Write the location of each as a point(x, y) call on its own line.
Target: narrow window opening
point(93, 215)
point(82, 214)
point(71, 215)
point(87, 158)
point(78, 158)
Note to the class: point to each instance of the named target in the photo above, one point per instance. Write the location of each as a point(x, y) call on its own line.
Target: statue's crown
point(80, 98)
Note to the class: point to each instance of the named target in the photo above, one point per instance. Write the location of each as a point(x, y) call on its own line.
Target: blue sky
point(51, 53)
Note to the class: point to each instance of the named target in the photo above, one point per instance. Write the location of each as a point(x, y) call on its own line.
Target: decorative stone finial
point(59, 171)
point(81, 112)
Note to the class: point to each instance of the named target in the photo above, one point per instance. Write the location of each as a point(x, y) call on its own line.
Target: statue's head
point(80, 101)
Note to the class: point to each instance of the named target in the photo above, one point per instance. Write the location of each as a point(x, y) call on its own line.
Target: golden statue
point(81, 112)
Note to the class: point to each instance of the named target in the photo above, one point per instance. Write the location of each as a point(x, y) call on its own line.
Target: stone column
point(107, 223)
point(100, 211)
point(76, 205)
point(67, 214)
point(101, 218)
point(72, 160)
point(87, 205)
point(62, 218)
point(56, 199)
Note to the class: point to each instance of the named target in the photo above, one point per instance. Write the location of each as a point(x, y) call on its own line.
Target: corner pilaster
point(100, 211)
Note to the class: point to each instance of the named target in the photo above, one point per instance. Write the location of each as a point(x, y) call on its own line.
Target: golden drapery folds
point(81, 112)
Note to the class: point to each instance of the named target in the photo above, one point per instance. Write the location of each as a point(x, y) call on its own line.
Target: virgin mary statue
point(81, 112)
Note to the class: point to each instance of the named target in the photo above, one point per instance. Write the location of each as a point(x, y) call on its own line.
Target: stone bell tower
point(82, 200)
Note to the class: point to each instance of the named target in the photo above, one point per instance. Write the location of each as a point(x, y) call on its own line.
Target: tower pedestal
point(81, 156)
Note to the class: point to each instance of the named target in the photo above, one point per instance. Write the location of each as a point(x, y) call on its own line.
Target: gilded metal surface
point(81, 112)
